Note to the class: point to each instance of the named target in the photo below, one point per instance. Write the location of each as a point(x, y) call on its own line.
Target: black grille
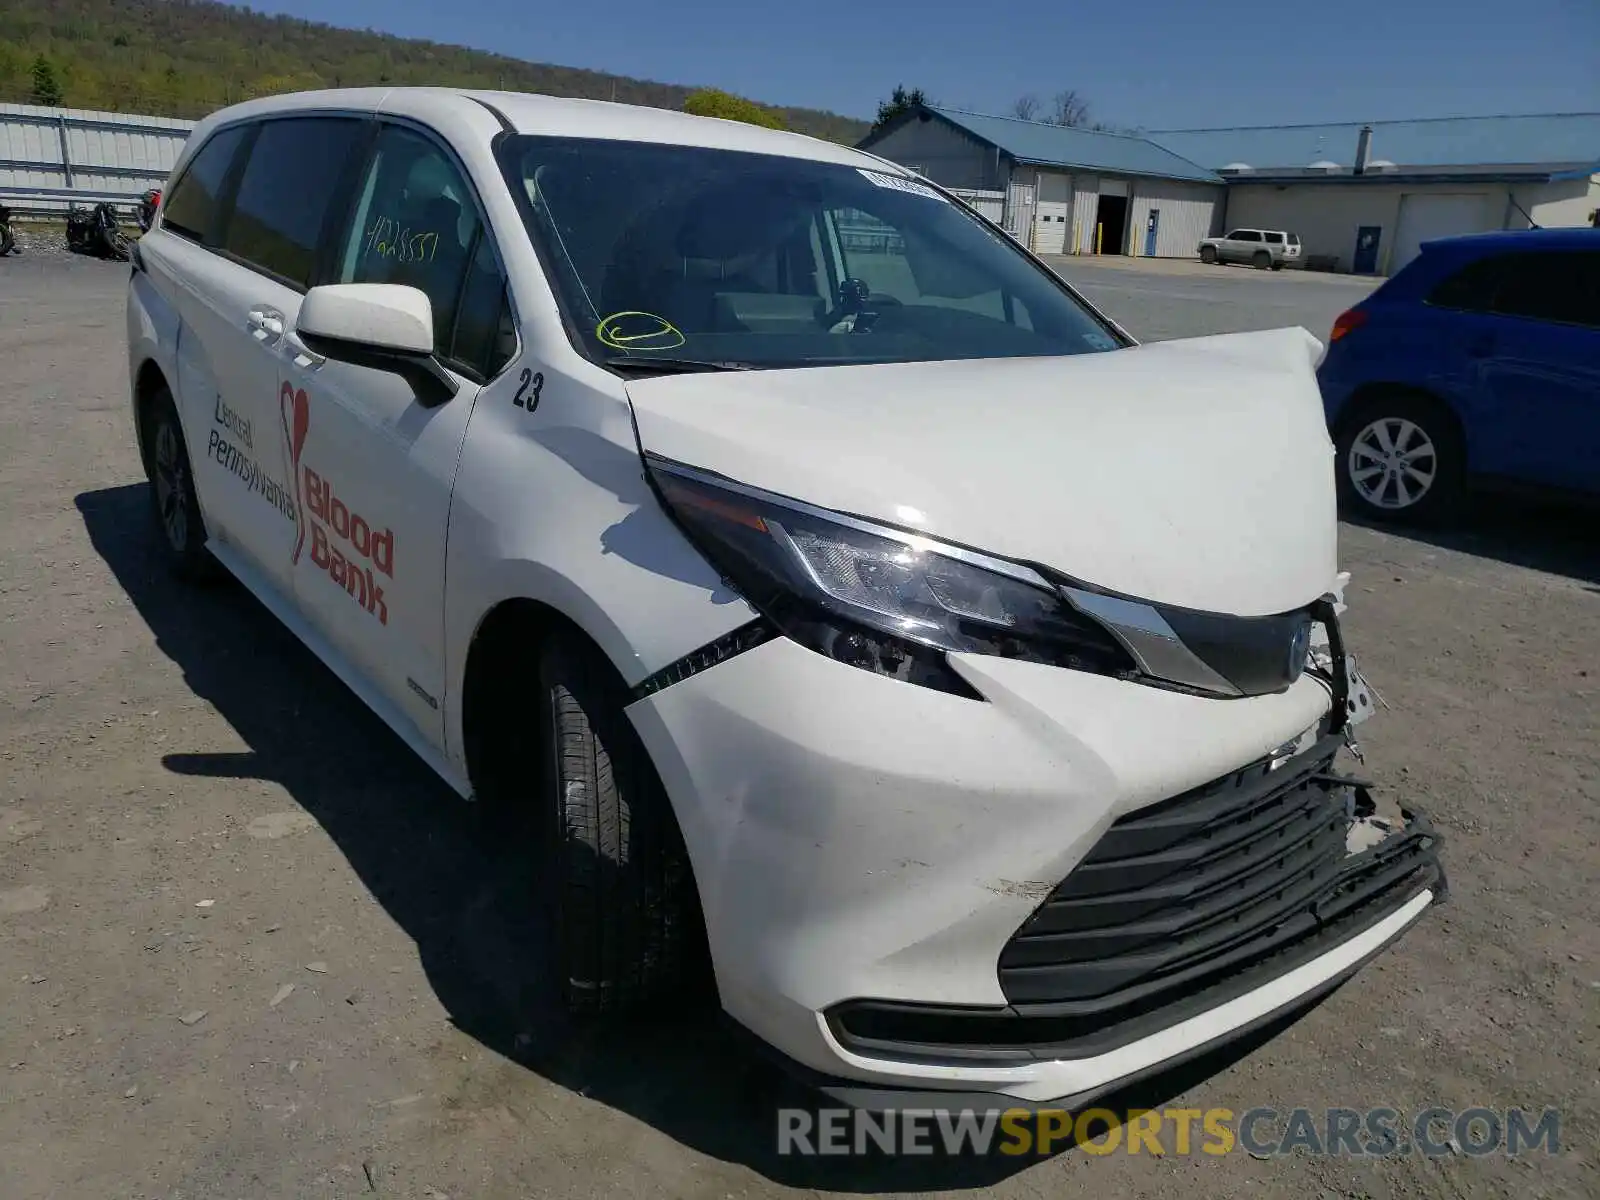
point(1177, 908)
point(1183, 882)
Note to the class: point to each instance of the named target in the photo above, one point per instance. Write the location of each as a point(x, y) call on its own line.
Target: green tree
point(899, 101)
point(709, 102)
point(46, 87)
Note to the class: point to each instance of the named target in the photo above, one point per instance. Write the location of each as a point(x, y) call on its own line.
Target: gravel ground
point(249, 949)
point(37, 239)
point(45, 240)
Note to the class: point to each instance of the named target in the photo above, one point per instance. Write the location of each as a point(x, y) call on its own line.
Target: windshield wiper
point(673, 366)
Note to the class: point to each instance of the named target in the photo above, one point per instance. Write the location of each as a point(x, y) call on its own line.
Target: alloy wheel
point(1392, 463)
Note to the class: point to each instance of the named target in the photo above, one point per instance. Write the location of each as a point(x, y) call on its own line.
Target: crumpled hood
point(1196, 473)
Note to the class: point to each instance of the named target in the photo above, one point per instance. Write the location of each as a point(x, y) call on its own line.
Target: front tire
point(180, 525)
point(1401, 458)
point(1208, 255)
point(627, 919)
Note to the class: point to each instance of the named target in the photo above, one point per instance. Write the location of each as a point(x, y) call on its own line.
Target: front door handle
point(265, 325)
point(305, 359)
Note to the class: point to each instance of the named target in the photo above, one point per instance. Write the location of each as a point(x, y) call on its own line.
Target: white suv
point(830, 584)
point(1261, 248)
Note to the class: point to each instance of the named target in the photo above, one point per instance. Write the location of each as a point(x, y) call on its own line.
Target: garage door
point(1050, 216)
point(1427, 215)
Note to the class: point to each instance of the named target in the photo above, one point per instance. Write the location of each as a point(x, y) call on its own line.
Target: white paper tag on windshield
point(896, 183)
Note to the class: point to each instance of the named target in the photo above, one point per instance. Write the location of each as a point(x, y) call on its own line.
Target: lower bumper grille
point(1179, 907)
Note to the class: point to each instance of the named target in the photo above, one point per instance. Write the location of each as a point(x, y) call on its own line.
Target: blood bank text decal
point(344, 543)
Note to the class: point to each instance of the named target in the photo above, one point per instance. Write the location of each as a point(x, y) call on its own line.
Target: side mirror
point(385, 326)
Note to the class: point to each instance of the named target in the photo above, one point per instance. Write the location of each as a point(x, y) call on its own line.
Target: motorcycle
point(8, 239)
point(96, 231)
point(145, 211)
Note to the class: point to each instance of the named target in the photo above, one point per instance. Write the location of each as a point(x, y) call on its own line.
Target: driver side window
point(416, 223)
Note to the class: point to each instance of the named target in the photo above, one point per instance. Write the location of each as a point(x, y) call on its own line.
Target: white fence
point(991, 204)
point(52, 158)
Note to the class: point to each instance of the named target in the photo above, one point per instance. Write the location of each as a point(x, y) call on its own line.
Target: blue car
point(1479, 363)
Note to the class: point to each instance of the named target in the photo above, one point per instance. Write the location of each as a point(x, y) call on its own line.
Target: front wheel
point(627, 917)
point(1401, 460)
point(1208, 255)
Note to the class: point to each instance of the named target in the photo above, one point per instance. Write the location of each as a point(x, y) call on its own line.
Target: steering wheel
point(854, 297)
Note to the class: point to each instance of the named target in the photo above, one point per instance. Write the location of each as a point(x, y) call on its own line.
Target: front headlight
point(876, 597)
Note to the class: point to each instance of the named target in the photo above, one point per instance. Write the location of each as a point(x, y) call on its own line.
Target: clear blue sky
point(1150, 63)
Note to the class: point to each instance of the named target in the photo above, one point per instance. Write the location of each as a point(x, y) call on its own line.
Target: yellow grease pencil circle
point(639, 331)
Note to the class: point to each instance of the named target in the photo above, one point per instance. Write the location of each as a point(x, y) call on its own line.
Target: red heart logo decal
point(295, 409)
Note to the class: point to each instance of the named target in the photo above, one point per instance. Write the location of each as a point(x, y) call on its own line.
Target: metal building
point(1364, 197)
point(51, 158)
point(1065, 191)
point(1361, 197)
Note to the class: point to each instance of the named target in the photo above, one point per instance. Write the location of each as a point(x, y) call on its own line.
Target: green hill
point(184, 58)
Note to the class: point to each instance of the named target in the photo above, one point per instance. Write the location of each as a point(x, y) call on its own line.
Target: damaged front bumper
point(1178, 909)
point(1032, 898)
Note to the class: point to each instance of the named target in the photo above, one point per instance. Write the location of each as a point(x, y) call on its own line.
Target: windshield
point(720, 258)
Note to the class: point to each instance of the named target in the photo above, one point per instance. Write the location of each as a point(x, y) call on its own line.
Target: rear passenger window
point(285, 193)
point(1275, 239)
point(1551, 286)
point(1472, 288)
point(416, 223)
point(191, 205)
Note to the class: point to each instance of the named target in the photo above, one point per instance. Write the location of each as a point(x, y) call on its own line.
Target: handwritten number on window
point(387, 238)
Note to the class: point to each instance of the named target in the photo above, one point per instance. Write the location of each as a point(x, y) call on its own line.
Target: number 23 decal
point(528, 389)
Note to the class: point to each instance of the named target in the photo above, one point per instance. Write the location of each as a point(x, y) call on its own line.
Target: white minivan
point(833, 592)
